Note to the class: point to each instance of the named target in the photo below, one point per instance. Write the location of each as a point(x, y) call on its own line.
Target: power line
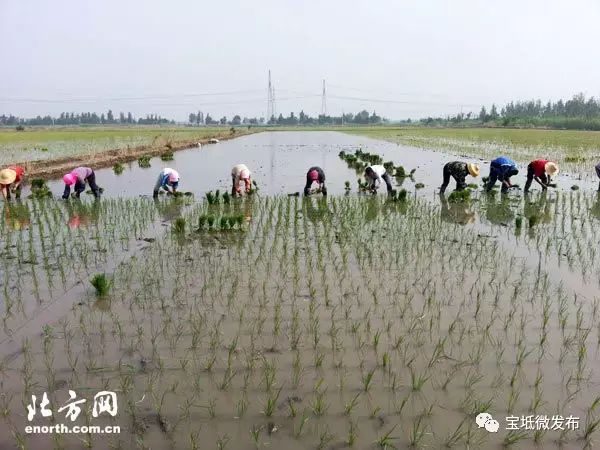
point(403, 102)
point(150, 97)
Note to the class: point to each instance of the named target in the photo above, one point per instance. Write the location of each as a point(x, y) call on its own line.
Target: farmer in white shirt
point(375, 175)
point(240, 173)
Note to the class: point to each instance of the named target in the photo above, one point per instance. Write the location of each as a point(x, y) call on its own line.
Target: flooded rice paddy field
point(283, 322)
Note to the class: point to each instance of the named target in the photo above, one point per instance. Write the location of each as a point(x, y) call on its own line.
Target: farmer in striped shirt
point(79, 177)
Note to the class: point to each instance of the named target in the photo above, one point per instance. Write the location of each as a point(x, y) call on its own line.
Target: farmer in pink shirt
point(79, 177)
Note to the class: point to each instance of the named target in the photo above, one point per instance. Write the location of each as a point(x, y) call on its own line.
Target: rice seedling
point(387, 440)
point(101, 284)
point(167, 156)
point(179, 226)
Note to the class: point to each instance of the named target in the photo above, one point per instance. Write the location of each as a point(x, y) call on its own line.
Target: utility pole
point(324, 101)
point(270, 99)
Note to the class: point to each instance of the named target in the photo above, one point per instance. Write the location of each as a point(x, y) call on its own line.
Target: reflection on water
point(17, 215)
point(316, 208)
point(499, 211)
point(540, 208)
point(595, 209)
point(460, 213)
point(82, 214)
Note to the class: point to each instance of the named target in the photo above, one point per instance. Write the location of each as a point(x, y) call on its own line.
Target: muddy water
point(337, 275)
point(279, 161)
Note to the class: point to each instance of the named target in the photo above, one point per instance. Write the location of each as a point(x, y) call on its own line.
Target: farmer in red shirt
point(11, 179)
point(540, 170)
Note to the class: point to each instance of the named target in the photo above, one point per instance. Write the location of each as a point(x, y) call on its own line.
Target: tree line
point(361, 118)
point(579, 113)
point(88, 118)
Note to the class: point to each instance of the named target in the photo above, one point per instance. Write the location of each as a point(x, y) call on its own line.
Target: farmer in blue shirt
point(501, 169)
point(168, 179)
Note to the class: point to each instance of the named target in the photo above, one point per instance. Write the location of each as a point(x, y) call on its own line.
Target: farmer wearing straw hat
point(240, 173)
point(79, 177)
point(598, 173)
point(540, 170)
point(375, 175)
point(11, 179)
point(315, 175)
point(459, 171)
point(168, 179)
point(501, 169)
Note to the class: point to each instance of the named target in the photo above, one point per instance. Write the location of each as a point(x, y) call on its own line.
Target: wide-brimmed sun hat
point(245, 174)
point(7, 176)
point(473, 169)
point(69, 179)
point(551, 168)
point(313, 175)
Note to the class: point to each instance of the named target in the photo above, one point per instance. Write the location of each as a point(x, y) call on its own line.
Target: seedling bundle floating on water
point(460, 196)
point(167, 156)
point(118, 168)
point(144, 161)
point(39, 189)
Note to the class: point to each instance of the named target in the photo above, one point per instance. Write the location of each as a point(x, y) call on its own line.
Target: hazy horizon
point(415, 60)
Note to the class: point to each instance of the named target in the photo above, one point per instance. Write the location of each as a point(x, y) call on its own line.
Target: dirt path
point(51, 168)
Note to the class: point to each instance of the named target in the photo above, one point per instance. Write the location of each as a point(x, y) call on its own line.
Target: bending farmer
point(501, 169)
point(540, 170)
point(240, 173)
point(375, 175)
point(315, 174)
point(79, 177)
point(459, 171)
point(11, 179)
point(168, 179)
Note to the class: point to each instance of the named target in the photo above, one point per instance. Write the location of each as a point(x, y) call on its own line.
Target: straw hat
point(473, 169)
point(551, 168)
point(7, 176)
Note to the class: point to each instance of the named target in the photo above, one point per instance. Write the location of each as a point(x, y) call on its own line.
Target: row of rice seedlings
point(327, 297)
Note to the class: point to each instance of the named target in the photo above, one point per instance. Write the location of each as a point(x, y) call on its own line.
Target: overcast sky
point(402, 59)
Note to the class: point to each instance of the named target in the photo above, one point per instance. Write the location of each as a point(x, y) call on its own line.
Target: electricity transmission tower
point(324, 101)
point(270, 99)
